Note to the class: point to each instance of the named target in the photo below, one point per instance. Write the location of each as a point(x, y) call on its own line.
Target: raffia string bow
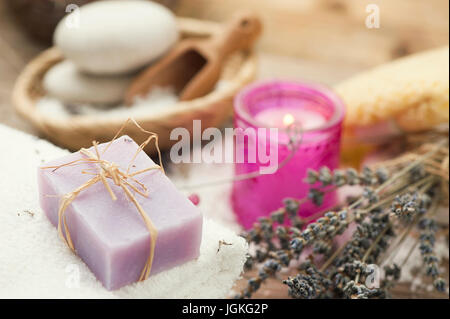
point(125, 180)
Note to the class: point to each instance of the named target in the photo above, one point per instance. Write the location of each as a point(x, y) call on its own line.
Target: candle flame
point(288, 119)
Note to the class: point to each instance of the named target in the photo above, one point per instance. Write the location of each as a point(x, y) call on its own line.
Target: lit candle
point(317, 113)
point(284, 117)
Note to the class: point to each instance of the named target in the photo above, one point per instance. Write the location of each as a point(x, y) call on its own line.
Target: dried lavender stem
point(416, 220)
point(402, 172)
point(410, 252)
point(306, 199)
point(341, 248)
point(333, 257)
point(318, 214)
point(402, 238)
point(281, 257)
point(431, 212)
point(372, 246)
point(406, 169)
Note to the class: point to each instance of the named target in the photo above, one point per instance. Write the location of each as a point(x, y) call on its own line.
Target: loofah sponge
point(35, 263)
point(410, 94)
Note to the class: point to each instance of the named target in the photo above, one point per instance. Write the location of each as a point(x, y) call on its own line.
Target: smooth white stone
point(66, 83)
point(111, 37)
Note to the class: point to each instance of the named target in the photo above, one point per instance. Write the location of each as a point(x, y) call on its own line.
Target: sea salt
point(160, 100)
point(157, 101)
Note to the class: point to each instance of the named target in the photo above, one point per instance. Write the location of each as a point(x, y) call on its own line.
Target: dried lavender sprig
point(424, 204)
point(264, 230)
point(313, 229)
point(363, 292)
point(368, 241)
point(347, 267)
point(323, 228)
point(423, 209)
point(332, 223)
point(309, 283)
point(410, 167)
point(427, 239)
point(372, 247)
point(320, 229)
point(325, 177)
point(360, 214)
point(414, 164)
point(381, 187)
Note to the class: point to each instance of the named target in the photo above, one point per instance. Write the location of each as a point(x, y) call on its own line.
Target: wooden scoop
point(193, 67)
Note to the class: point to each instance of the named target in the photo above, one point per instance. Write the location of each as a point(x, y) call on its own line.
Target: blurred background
point(317, 40)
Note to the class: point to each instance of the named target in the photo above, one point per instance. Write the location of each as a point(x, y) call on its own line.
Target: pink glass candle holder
point(319, 114)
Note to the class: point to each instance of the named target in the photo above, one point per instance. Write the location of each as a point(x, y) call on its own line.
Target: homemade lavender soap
point(111, 236)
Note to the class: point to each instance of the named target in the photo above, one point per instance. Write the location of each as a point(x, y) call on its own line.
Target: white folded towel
point(35, 263)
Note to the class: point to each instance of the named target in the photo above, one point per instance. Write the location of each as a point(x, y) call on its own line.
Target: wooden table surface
point(323, 41)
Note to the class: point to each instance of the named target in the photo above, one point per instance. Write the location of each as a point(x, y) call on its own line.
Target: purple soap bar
point(110, 236)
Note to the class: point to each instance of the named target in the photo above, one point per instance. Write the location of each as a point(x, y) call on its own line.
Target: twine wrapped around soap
point(125, 180)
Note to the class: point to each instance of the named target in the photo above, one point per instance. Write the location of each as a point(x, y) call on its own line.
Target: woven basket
point(79, 131)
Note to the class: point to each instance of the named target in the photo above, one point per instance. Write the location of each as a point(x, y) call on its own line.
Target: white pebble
point(111, 37)
point(65, 82)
